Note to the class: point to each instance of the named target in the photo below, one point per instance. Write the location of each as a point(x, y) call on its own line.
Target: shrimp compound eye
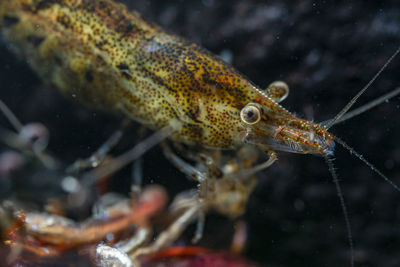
point(250, 114)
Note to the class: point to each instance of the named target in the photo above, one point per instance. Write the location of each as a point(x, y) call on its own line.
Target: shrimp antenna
point(331, 167)
point(361, 157)
point(364, 108)
point(352, 101)
point(339, 190)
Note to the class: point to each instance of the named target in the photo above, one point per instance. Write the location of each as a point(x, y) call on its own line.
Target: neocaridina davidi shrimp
point(104, 56)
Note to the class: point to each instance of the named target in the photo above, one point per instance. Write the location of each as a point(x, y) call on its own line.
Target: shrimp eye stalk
point(250, 114)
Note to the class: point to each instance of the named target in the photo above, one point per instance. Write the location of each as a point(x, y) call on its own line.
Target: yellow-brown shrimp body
point(107, 57)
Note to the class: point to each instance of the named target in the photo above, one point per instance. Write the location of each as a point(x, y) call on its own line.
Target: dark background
point(326, 51)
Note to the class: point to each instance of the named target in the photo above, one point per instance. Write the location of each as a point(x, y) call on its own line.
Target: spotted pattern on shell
point(110, 58)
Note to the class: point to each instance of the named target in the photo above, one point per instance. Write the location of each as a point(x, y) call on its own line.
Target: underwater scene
point(199, 133)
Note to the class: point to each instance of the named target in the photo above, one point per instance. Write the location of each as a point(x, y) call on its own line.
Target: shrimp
point(110, 58)
point(58, 234)
point(157, 79)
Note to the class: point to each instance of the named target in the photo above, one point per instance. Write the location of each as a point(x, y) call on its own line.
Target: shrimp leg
point(100, 154)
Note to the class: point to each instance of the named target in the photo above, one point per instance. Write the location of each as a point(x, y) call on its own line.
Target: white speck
point(70, 184)
point(109, 256)
point(110, 236)
point(226, 55)
point(50, 221)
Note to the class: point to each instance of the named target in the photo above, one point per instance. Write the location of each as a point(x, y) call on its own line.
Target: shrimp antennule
point(364, 108)
point(353, 101)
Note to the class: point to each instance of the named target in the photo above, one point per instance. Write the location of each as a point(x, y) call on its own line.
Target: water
point(326, 53)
